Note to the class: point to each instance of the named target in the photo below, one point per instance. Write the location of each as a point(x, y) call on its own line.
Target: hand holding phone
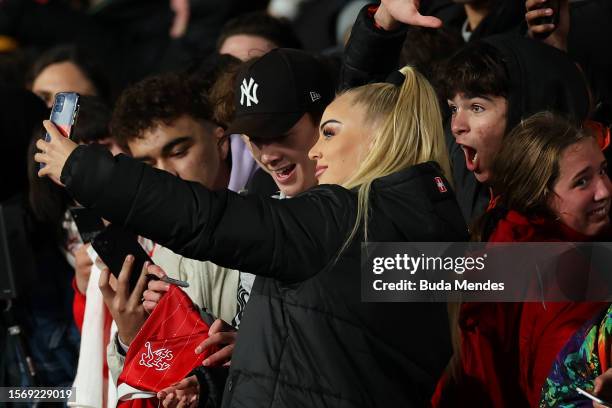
point(543, 17)
point(53, 154)
point(64, 114)
point(125, 306)
point(113, 245)
point(555, 6)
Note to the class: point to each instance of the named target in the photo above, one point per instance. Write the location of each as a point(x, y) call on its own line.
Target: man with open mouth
point(490, 86)
point(280, 98)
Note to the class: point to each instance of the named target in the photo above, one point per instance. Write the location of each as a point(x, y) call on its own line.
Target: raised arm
point(261, 235)
point(378, 34)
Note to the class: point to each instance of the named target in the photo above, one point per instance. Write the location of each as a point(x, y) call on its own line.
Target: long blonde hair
point(408, 130)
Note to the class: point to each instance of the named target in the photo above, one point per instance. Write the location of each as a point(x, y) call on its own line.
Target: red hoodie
point(507, 349)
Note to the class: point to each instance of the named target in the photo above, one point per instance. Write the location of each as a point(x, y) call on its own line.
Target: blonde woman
point(306, 338)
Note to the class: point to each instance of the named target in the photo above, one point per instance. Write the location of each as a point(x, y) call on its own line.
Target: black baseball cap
point(275, 91)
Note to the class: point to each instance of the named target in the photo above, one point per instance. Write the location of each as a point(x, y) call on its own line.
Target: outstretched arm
point(265, 236)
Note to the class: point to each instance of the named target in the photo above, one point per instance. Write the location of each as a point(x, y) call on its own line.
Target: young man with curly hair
point(168, 122)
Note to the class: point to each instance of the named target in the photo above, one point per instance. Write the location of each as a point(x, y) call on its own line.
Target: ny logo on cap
point(248, 91)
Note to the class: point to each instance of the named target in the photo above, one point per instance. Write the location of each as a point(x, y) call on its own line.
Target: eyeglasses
point(601, 132)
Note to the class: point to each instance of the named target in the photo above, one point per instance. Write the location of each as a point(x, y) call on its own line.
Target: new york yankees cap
point(275, 91)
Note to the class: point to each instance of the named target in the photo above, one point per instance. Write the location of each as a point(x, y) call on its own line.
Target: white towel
point(112, 397)
point(89, 380)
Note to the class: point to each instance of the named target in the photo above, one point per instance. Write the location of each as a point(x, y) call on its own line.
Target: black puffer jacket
point(306, 339)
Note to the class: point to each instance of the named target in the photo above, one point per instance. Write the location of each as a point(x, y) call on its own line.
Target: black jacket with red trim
point(306, 339)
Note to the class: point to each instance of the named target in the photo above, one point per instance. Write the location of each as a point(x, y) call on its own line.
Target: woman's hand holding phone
point(53, 153)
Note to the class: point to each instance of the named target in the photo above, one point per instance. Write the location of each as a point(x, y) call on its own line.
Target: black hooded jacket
point(306, 339)
point(541, 78)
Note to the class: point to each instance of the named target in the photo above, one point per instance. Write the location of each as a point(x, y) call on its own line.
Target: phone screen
point(114, 244)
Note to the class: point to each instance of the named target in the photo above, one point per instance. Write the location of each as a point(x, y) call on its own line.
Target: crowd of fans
point(252, 147)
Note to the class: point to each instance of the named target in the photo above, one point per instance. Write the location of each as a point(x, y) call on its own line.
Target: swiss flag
point(163, 351)
point(440, 184)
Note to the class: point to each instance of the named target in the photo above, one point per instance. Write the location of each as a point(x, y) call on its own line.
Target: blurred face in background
point(245, 46)
point(61, 77)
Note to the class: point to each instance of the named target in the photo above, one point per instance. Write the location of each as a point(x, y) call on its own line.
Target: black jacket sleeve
point(289, 240)
point(370, 54)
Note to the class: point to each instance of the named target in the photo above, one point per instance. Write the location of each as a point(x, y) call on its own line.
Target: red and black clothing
point(507, 349)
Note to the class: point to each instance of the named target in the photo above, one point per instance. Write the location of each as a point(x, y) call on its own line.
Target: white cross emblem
point(248, 91)
point(441, 187)
point(158, 359)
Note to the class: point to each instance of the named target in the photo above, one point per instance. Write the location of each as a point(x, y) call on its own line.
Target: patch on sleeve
point(440, 184)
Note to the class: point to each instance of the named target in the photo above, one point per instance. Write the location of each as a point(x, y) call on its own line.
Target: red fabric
point(78, 306)
point(515, 227)
point(507, 349)
point(163, 352)
point(108, 322)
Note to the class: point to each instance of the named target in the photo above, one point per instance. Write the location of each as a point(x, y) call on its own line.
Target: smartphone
point(555, 5)
point(87, 222)
point(64, 114)
point(113, 244)
point(593, 397)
